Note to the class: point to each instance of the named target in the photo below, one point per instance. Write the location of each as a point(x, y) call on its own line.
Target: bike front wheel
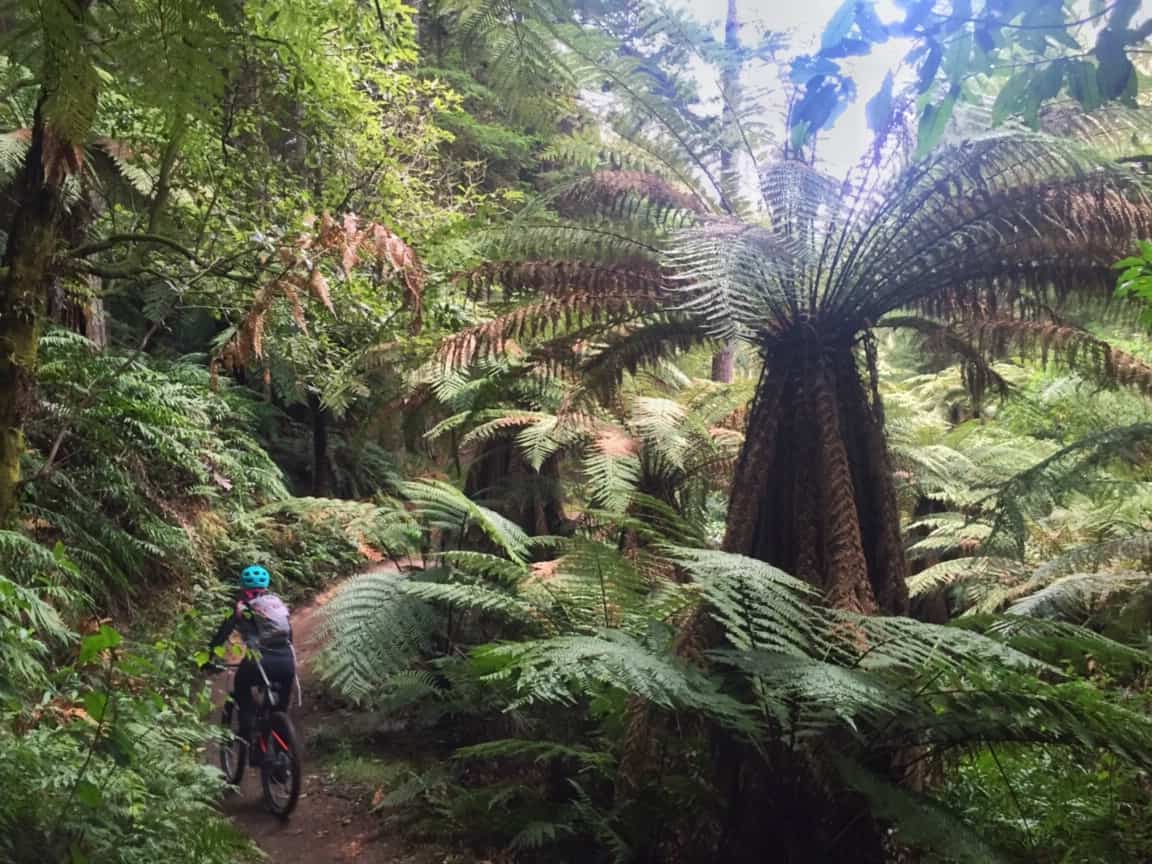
point(233, 750)
point(280, 766)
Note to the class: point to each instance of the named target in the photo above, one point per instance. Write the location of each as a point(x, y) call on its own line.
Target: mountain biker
point(263, 621)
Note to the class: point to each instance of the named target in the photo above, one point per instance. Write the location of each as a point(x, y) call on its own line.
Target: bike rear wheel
point(280, 765)
point(233, 749)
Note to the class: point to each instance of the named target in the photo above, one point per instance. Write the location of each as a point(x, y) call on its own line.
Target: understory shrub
point(569, 673)
point(101, 744)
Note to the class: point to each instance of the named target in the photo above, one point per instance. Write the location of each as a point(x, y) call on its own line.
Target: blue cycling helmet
point(255, 576)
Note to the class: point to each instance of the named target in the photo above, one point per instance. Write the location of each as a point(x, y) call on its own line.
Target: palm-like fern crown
point(997, 226)
point(652, 242)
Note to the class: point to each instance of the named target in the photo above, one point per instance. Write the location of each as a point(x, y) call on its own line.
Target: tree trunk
point(33, 236)
point(724, 364)
point(321, 476)
point(724, 360)
point(813, 491)
point(500, 479)
point(24, 286)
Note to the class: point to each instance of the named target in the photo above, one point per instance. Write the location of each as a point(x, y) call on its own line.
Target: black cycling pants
point(280, 667)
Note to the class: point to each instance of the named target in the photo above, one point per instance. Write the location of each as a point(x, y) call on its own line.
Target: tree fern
point(373, 629)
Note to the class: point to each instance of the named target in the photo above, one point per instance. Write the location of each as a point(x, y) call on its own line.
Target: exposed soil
point(332, 822)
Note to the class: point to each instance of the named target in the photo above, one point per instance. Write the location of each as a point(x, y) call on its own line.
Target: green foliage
point(1027, 53)
point(1051, 805)
point(128, 456)
point(307, 543)
point(100, 745)
point(588, 633)
point(1135, 279)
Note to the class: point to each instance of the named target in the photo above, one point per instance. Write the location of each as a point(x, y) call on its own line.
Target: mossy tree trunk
point(24, 288)
point(65, 112)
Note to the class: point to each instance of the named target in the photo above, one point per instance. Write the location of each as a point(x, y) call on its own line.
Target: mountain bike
point(273, 745)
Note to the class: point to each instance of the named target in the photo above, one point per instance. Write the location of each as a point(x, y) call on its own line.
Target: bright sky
point(804, 20)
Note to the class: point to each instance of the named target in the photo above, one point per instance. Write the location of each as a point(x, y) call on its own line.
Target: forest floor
point(332, 823)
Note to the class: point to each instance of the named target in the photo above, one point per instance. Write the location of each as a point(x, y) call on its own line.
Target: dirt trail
point(331, 824)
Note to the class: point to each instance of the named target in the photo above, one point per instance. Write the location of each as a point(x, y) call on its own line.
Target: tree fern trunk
point(70, 88)
point(724, 364)
point(813, 436)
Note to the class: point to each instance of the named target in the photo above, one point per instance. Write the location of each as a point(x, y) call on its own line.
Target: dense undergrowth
point(157, 486)
point(589, 682)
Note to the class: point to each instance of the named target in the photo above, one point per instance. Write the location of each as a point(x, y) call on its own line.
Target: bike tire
point(281, 753)
point(233, 758)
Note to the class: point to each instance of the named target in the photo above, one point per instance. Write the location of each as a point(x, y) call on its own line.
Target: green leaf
point(958, 61)
point(879, 107)
point(96, 704)
point(1125, 263)
point(88, 793)
point(1122, 13)
point(871, 27)
point(101, 641)
point(807, 67)
point(1082, 84)
point(933, 123)
point(1044, 85)
point(1115, 71)
point(839, 25)
point(799, 135)
point(1011, 99)
point(930, 67)
point(60, 554)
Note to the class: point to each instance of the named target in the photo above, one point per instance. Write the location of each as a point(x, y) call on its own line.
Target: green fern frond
point(373, 629)
point(917, 820)
point(445, 506)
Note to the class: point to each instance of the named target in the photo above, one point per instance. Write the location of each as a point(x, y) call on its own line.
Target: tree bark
point(813, 436)
point(724, 364)
point(34, 234)
point(24, 286)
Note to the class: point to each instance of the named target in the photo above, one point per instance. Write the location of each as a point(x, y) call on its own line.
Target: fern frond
point(445, 506)
point(373, 629)
point(541, 278)
point(1079, 596)
point(917, 820)
point(621, 194)
point(563, 669)
point(552, 316)
point(962, 570)
point(759, 606)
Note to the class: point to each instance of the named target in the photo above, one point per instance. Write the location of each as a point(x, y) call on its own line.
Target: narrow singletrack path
point(330, 825)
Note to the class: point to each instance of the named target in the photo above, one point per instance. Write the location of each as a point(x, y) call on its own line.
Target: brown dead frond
point(301, 272)
point(625, 193)
point(615, 442)
point(552, 277)
point(552, 316)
